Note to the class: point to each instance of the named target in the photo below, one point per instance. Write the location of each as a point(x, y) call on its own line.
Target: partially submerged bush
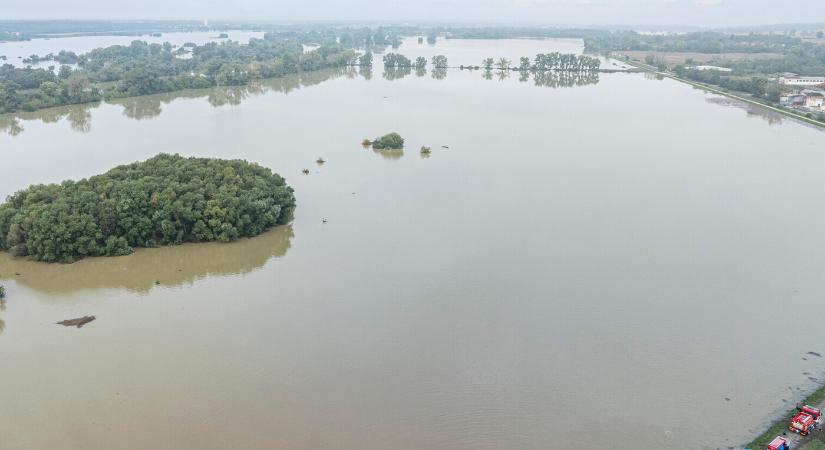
point(366, 142)
point(165, 200)
point(2, 292)
point(392, 141)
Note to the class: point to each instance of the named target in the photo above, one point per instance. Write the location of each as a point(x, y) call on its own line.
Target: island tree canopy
point(388, 141)
point(165, 200)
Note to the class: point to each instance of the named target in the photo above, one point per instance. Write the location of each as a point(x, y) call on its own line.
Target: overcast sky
point(562, 12)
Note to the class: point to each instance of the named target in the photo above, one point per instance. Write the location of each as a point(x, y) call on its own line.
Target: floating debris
point(444, 146)
point(324, 220)
point(814, 354)
point(320, 160)
point(727, 399)
point(79, 322)
point(306, 171)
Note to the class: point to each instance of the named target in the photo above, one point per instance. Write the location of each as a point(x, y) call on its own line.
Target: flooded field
point(16, 51)
point(580, 263)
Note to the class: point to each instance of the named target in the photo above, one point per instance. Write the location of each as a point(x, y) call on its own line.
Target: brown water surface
point(592, 263)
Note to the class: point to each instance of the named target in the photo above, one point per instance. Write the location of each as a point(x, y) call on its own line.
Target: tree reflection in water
point(396, 73)
point(78, 116)
point(151, 106)
point(148, 268)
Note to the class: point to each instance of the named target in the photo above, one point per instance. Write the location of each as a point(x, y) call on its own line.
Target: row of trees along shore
point(141, 68)
point(543, 61)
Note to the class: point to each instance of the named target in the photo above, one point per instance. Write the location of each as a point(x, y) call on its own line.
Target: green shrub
point(388, 141)
point(165, 200)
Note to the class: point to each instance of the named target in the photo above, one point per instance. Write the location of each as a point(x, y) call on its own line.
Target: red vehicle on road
point(779, 444)
point(806, 421)
point(811, 411)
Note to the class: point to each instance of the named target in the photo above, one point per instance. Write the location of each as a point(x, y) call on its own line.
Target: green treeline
point(396, 60)
point(165, 200)
point(141, 68)
point(700, 42)
point(757, 86)
point(564, 61)
point(793, 54)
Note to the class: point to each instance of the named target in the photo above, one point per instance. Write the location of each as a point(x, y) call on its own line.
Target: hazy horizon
point(689, 13)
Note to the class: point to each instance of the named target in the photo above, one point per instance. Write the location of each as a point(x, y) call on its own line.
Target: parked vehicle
point(806, 420)
point(779, 443)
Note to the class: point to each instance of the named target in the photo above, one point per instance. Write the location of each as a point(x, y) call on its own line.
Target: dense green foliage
point(391, 141)
point(165, 200)
point(141, 68)
point(365, 60)
point(439, 62)
point(565, 61)
point(547, 61)
point(756, 86)
point(393, 60)
point(798, 56)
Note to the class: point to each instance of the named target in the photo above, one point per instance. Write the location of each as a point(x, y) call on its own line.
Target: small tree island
point(392, 141)
point(165, 200)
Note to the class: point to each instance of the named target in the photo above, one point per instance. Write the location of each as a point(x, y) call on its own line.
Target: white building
point(814, 99)
point(716, 68)
point(801, 81)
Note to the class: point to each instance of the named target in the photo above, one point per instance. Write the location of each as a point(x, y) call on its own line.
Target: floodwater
point(16, 51)
point(612, 263)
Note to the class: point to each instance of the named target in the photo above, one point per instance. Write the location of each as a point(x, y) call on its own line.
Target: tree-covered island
point(391, 141)
point(165, 200)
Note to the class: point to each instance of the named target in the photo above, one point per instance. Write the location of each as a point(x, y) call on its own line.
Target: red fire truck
point(806, 420)
point(779, 444)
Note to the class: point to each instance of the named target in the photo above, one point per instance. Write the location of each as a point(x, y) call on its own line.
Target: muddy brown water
point(597, 266)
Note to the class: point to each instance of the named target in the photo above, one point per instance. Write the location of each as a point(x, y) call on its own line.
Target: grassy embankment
point(781, 424)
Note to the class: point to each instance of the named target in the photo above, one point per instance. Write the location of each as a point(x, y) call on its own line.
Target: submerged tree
point(488, 63)
point(390, 141)
point(566, 62)
point(365, 60)
point(396, 73)
point(440, 62)
point(393, 60)
point(420, 62)
point(439, 73)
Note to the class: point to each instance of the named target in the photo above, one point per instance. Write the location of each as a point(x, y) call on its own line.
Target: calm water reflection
point(616, 247)
point(79, 117)
point(147, 268)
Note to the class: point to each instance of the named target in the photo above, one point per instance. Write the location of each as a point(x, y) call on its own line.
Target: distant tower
point(205, 22)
